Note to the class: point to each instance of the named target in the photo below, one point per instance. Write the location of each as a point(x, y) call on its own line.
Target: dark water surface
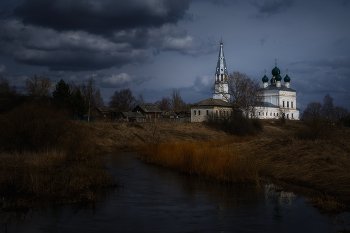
point(154, 199)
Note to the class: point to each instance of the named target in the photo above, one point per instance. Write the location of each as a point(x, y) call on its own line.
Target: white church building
point(276, 99)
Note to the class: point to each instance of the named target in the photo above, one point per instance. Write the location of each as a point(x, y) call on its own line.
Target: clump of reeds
point(327, 204)
point(209, 160)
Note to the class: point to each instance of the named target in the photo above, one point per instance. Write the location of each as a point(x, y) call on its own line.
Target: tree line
point(76, 98)
point(325, 112)
point(125, 101)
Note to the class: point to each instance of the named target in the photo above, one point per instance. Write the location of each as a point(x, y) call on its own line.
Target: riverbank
point(317, 169)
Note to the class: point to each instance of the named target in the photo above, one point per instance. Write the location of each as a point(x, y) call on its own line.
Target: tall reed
point(210, 160)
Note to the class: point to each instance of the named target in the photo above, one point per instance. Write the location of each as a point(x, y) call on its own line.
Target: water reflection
point(154, 199)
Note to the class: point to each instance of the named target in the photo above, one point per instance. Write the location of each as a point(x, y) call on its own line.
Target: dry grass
point(209, 160)
point(128, 136)
point(28, 179)
point(318, 165)
point(45, 157)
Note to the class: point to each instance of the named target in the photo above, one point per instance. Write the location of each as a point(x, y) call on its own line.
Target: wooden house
point(131, 116)
point(149, 111)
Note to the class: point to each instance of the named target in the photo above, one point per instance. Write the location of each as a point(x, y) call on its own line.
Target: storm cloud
point(93, 35)
point(122, 80)
point(100, 16)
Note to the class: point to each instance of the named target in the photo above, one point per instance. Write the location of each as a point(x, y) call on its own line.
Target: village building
point(277, 100)
point(149, 111)
point(131, 116)
point(104, 113)
point(219, 105)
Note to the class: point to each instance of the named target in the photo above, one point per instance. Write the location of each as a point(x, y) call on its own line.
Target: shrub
point(315, 128)
point(236, 124)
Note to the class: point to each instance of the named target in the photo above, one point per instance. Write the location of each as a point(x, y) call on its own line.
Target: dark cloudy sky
point(155, 46)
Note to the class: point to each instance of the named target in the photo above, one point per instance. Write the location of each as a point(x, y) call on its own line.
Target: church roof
point(273, 87)
point(213, 102)
point(267, 104)
point(221, 67)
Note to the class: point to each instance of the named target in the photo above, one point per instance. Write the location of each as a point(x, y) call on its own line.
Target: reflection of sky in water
point(154, 199)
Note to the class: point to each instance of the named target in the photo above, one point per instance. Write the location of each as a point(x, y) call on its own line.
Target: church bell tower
point(221, 77)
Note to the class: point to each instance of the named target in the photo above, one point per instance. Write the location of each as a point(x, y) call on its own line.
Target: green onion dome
point(287, 79)
point(265, 79)
point(278, 78)
point(275, 71)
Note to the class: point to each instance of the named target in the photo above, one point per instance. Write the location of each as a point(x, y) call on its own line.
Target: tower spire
point(221, 75)
point(276, 62)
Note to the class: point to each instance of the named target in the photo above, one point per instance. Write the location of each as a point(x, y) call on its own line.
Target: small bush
point(236, 124)
point(315, 129)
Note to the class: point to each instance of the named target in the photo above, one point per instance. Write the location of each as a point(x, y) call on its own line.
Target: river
point(154, 199)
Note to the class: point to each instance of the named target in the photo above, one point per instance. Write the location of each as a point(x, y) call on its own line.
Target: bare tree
point(139, 100)
point(328, 108)
point(122, 100)
point(245, 93)
point(91, 93)
point(176, 101)
point(6, 91)
point(312, 111)
point(164, 104)
point(38, 86)
point(340, 114)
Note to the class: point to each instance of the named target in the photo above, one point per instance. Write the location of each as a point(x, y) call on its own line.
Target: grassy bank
point(46, 158)
point(316, 168)
point(210, 160)
point(31, 179)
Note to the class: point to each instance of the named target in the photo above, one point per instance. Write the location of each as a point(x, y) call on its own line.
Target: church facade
point(276, 99)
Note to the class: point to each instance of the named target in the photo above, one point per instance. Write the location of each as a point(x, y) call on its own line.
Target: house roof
point(132, 115)
point(107, 109)
point(213, 102)
point(148, 108)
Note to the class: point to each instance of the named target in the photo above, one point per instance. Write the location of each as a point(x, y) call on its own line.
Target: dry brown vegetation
point(31, 179)
point(45, 157)
point(210, 160)
point(318, 168)
point(121, 136)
